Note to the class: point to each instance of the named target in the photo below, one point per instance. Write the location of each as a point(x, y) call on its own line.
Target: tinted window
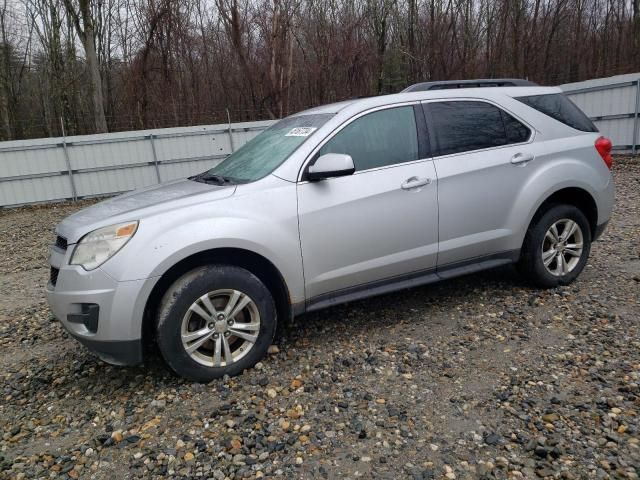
point(516, 131)
point(466, 126)
point(381, 138)
point(559, 107)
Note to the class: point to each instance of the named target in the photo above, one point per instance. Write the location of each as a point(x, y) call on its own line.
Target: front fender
point(157, 251)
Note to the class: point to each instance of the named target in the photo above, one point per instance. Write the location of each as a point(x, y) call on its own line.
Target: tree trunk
point(83, 21)
point(96, 81)
point(636, 27)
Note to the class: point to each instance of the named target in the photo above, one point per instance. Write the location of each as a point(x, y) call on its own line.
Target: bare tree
point(82, 17)
point(159, 63)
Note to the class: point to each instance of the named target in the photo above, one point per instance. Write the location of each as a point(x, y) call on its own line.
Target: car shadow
point(405, 303)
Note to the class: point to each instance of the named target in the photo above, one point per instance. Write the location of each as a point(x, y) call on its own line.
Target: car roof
point(343, 111)
point(471, 83)
point(381, 100)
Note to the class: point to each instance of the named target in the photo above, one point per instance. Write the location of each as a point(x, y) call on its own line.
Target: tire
point(186, 309)
point(540, 241)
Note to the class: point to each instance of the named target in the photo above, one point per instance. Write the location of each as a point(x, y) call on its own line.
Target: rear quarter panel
point(562, 163)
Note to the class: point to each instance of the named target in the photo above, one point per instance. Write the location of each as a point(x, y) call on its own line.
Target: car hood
point(139, 204)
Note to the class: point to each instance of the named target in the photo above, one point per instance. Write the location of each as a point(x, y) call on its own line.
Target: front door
point(379, 223)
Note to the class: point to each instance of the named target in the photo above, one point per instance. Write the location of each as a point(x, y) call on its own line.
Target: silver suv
point(329, 205)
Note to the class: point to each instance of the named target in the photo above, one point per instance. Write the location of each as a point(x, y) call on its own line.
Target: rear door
point(379, 223)
point(483, 156)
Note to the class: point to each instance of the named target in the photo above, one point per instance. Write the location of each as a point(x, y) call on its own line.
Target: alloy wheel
point(220, 328)
point(562, 247)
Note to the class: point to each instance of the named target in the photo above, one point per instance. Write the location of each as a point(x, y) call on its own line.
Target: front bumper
point(101, 313)
point(118, 352)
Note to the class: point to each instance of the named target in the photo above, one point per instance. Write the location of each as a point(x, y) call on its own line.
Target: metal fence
point(50, 169)
point(613, 104)
point(42, 170)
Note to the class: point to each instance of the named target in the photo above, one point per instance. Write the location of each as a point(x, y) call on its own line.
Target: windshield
point(265, 152)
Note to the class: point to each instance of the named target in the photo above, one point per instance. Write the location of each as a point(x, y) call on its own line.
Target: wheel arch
point(255, 263)
point(576, 196)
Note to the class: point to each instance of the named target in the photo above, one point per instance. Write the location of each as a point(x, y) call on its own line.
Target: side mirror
point(331, 165)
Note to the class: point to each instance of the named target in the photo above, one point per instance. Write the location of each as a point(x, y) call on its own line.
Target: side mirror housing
point(331, 165)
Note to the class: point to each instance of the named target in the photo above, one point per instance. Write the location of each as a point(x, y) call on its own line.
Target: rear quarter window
point(560, 108)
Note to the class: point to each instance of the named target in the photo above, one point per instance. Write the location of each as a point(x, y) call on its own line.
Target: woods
point(111, 65)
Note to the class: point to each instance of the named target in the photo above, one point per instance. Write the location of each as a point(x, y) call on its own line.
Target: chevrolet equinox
point(329, 205)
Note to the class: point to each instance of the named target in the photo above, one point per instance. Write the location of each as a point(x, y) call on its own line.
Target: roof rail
point(476, 83)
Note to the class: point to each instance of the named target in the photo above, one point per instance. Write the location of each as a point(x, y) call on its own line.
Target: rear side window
point(466, 126)
point(378, 139)
point(559, 107)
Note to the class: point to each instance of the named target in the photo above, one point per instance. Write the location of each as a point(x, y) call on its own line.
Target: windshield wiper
point(211, 178)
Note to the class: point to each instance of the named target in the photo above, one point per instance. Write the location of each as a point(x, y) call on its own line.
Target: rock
point(273, 349)
point(475, 374)
point(492, 439)
point(541, 452)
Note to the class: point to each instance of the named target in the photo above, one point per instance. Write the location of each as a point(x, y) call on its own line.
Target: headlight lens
point(97, 247)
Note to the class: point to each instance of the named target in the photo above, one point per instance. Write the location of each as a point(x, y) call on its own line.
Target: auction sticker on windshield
point(301, 132)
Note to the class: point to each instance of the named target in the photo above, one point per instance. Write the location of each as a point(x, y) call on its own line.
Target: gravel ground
point(479, 377)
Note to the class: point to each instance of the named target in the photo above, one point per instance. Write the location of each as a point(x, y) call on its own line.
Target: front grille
point(53, 277)
point(61, 242)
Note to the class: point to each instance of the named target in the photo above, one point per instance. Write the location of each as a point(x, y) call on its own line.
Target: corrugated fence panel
point(110, 153)
point(32, 190)
point(34, 171)
point(194, 146)
point(111, 181)
point(32, 161)
point(612, 103)
point(619, 130)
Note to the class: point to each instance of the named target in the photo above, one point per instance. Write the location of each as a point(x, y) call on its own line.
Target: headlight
point(97, 247)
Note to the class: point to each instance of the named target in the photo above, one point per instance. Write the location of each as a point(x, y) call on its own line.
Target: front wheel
point(214, 321)
point(556, 247)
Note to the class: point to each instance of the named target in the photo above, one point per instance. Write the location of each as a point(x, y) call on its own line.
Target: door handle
point(415, 182)
point(522, 158)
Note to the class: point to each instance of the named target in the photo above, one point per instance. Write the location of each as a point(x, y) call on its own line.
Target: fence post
point(155, 158)
point(636, 127)
point(67, 160)
point(233, 148)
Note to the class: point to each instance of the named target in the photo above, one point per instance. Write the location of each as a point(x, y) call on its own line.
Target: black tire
point(184, 292)
point(531, 264)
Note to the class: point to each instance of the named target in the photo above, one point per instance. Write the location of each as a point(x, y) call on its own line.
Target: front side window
point(265, 152)
point(378, 139)
point(464, 126)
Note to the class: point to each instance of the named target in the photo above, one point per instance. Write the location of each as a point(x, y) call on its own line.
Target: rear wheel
point(214, 321)
point(556, 247)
